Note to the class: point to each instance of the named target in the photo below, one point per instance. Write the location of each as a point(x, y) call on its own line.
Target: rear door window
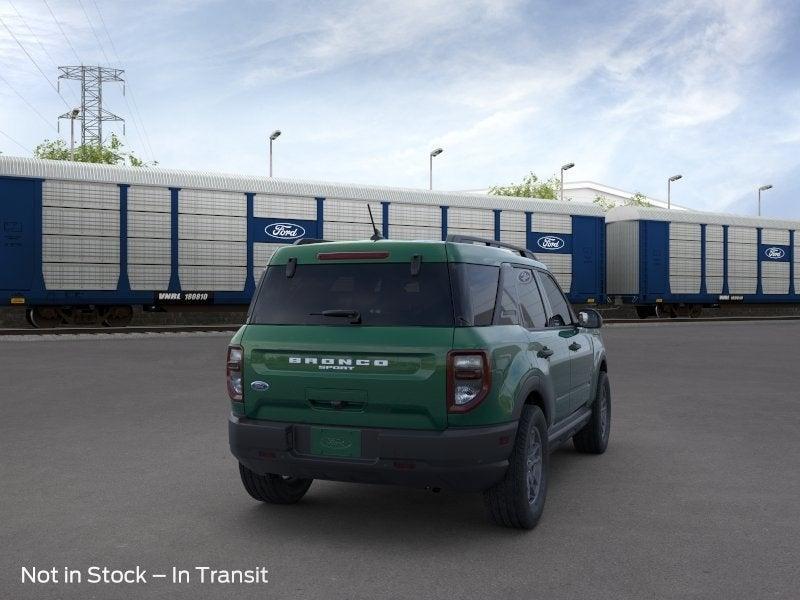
point(530, 300)
point(384, 294)
point(560, 312)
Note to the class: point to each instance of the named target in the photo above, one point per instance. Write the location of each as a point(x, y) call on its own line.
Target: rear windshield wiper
point(353, 315)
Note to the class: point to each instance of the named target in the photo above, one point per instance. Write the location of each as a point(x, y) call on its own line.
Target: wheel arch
point(533, 391)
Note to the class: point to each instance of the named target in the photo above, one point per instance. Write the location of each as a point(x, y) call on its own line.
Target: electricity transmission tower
point(92, 113)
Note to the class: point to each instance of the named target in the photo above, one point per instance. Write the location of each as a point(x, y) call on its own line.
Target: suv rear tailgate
point(345, 375)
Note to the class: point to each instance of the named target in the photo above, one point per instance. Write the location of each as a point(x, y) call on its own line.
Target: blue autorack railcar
point(88, 242)
point(677, 262)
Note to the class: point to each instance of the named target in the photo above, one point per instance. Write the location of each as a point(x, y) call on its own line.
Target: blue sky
point(632, 92)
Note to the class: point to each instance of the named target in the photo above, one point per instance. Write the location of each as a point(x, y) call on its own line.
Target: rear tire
point(518, 500)
point(273, 489)
point(593, 438)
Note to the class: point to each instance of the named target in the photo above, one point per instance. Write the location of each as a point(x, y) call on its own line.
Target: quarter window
point(560, 312)
point(508, 313)
point(530, 300)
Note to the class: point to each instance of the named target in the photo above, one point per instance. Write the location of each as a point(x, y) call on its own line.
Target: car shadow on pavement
point(344, 512)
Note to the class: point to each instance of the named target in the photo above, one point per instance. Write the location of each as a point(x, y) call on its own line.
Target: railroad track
point(106, 330)
point(230, 328)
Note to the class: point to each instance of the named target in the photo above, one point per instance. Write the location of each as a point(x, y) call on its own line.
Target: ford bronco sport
point(455, 364)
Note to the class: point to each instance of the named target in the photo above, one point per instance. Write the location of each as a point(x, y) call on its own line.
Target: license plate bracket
point(338, 442)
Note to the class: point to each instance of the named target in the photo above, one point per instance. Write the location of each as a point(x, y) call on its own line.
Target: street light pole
point(435, 152)
point(669, 189)
point(272, 138)
point(72, 116)
point(763, 188)
point(564, 168)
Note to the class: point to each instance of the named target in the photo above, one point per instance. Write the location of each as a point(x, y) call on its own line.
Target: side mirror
point(590, 319)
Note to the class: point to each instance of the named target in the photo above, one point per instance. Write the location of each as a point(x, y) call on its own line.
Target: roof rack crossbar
point(469, 239)
point(304, 241)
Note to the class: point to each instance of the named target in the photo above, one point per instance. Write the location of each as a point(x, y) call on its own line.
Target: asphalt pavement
point(113, 452)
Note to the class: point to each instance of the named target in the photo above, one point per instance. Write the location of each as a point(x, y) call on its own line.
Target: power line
point(63, 33)
point(38, 41)
point(96, 37)
point(135, 114)
point(16, 142)
point(31, 106)
point(35, 64)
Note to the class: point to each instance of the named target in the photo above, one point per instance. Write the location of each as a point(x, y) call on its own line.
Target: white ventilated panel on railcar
point(144, 251)
point(414, 232)
point(512, 228)
point(149, 199)
point(714, 259)
point(560, 265)
point(149, 233)
point(80, 276)
point(480, 233)
point(796, 252)
point(415, 214)
point(210, 227)
point(340, 231)
point(775, 277)
point(210, 253)
point(211, 278)
point(622, 257)
point(262, 253)
point(211, 202)
point(742, 260)
point(415, 222)
point(684, 258)
point(551, 223)
point(471, 219)
point(266, 206)
point(76, 221)
point(89, 214)
point(70, 248)
point(775, 236)
point(80, 194)
point(351, 211)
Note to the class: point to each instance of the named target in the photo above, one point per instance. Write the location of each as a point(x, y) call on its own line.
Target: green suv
point(456, 365)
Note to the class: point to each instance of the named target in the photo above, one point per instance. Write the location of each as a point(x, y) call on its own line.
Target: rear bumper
point(466, 459)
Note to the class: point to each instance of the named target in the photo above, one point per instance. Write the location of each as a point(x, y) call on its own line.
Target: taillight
point(234, 371)
point(468, 379)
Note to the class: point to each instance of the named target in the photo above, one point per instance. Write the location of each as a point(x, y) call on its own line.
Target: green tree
point(110, 153)
point(638, 199)
point(531, 187)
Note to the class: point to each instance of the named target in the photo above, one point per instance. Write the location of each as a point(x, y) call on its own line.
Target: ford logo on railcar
point(775, 253)
point(550, 242)
point(285, 231)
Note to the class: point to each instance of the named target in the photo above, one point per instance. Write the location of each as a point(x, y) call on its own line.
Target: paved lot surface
point(114, 452)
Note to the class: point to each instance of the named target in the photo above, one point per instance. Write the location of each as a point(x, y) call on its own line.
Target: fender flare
point(533, 382)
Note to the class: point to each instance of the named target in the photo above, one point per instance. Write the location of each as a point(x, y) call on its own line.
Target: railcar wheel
point(645, 311)
point(44, 317)
point(118, 316)
point(696, 311)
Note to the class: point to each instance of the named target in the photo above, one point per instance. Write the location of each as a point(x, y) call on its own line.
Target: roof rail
point(304, 241)
point(469, 239)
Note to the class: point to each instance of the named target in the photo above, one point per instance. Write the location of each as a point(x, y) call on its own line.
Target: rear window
point(384, 294)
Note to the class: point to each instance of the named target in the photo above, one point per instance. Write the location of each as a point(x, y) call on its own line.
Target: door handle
point(545, 352)
point(574, 346)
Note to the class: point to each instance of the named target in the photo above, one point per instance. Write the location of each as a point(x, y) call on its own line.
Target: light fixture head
point(275, 134)
point(567, 166)
point(75, 112)
point(675, 177)
point(765, 187)
point(436, 152)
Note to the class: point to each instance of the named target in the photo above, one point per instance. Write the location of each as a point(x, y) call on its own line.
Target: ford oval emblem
point(550, 242)
point(285, 231)
point(259, 386)
point(775, 253)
